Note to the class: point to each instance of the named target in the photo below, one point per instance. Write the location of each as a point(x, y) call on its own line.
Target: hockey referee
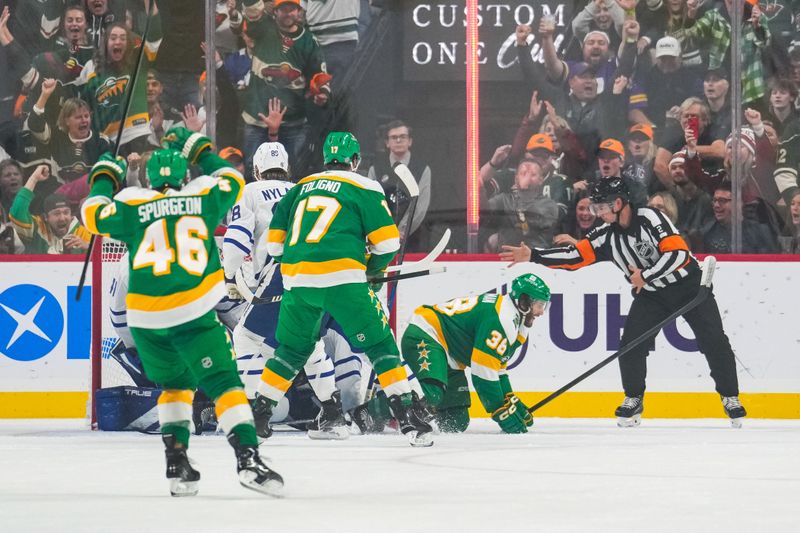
point(656, 261)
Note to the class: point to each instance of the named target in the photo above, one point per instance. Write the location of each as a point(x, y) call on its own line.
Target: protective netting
point(112, 372)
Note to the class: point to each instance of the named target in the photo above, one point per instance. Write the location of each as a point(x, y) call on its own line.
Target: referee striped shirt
point(651, 243)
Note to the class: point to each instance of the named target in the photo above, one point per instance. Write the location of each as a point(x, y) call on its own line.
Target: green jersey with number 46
point(481, 332)
point(326, 225)
point(175, 273)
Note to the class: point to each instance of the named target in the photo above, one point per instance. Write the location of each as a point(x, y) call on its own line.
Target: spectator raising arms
point(70, 144)
point(58, 231)
point(106, 80)
point(287, 62)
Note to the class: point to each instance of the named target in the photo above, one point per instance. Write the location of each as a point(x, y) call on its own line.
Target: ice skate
point(734, 410)
point(183, 479)
point(330, 423)
point(262, 413)
point(629, 414)
point(409, 414)
point(253, 473)
point(364, 421)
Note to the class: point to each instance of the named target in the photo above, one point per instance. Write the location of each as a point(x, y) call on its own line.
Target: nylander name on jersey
point(170, 206)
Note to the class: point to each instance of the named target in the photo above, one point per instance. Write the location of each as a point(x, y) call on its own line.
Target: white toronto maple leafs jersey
point(248, 225)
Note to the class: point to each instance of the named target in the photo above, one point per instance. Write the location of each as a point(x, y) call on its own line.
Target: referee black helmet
point(606, 190)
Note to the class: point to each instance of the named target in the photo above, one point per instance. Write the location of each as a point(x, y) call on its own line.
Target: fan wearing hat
point(694, 204)
point(663, 84)
point(524, 213)
point(57, 231)
point(611, 164)
point(716, 84)
point(642, 151)
point(596, 52)
point(541, 149)
point(287, 64)
point(234, 156)
point(600, 15)
point(756, 153)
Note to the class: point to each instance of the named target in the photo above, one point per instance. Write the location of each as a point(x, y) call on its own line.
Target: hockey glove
point(510, 417)
point(188, 143)
point(233, 290)
point(109, 168)
point(527, 417)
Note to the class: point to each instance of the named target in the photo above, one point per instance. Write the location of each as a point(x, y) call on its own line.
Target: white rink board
point(45, 348)
point(757, 300)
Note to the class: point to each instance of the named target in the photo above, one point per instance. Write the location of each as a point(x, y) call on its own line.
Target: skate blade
point(631, 422)
point(336, 433)
point(180, 488)
point(736, 422)
point(419, 440)
point(272, 487)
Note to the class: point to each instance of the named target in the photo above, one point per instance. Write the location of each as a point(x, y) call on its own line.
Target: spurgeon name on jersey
point(175, 273)
point(170, 206)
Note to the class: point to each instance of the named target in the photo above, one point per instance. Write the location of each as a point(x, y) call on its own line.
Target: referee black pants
point(651, 307)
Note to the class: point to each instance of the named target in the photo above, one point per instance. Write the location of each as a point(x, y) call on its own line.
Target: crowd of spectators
point(638, 89)
point(67, 71)
point(642, 91)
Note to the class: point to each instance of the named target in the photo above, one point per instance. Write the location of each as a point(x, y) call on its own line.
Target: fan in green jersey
point(175, 282)
point(319, 232)
point(480, 332)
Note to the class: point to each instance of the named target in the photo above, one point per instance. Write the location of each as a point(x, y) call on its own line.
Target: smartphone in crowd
point(693, 123)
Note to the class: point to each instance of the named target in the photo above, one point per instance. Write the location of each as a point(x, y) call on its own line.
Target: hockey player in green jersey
point(319, 232)
point(481, 332)
point(175, 282)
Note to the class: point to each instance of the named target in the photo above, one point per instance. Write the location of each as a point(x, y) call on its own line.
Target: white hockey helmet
point(270, 156)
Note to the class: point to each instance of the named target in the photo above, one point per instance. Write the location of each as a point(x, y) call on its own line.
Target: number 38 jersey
point(322, 225)
point(481, 332)
point(175, 273)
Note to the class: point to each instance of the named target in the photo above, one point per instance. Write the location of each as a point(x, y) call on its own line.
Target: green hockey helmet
point(166, 168)
point(341, 147)
point(531, 296)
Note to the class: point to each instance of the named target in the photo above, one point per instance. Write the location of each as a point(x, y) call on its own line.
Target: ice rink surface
point(567, 475)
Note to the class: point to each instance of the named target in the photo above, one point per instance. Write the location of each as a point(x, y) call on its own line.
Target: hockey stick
point(126, 110)
point(423, 267)
point(249, 296)
point(409, 275)
point(705, 289)
point(412, 187)
point(260, 300)
point(426, 262)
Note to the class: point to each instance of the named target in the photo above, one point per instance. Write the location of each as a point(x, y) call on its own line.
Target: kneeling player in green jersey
point(175, 282)
point(319, 232)
point(481, 332)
